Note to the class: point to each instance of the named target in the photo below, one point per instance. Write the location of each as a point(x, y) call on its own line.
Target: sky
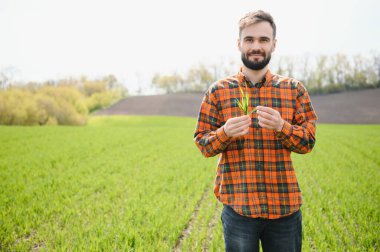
point(52, 39)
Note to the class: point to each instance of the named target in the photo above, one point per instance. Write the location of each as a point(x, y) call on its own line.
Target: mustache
point(256, 52)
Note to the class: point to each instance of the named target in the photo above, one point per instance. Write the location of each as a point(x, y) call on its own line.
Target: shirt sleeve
point(300, 135)
point(209, 135)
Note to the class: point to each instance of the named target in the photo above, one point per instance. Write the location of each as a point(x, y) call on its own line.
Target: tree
point(168, 83)
point(376, 62)
point(4, 80)
point(199, 78)
point(359, 77)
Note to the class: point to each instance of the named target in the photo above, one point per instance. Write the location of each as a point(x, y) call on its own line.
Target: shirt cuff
point(222, 136)
point(286, 131)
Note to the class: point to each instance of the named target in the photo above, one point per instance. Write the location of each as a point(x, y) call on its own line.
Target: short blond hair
point(256, 17)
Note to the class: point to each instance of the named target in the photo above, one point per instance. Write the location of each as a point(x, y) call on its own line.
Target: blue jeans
point(243, 233)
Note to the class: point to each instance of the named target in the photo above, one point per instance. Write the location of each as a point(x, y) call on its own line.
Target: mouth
point(256, 56)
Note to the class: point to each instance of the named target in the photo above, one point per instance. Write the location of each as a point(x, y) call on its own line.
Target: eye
point(264, 40)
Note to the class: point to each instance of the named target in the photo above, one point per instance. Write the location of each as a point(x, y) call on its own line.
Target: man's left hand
point(269, 118)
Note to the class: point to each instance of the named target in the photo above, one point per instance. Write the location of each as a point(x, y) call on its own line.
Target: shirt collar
point(264, 82)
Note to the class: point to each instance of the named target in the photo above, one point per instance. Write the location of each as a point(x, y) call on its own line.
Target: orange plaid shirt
point(255, 174)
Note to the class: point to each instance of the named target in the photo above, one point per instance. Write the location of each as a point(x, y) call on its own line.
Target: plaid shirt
point(255, 174)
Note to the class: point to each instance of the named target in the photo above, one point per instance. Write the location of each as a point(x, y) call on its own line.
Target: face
point(256, 44)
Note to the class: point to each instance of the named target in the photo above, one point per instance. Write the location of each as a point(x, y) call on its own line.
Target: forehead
point(261, 29)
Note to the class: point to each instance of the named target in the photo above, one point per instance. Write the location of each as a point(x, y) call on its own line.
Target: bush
point(102, 100)
point(18, 107)
point(65, 102)
point(53, 105)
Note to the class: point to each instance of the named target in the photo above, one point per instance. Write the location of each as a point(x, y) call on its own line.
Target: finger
point(266, 109)
point(239, 119)
point(263, 108)
point(269, 121)
point(266, 126)
point(240, 126)
point(240, 129)
point(245, 117)
point(245, 120)
point(266, 120)
point(243, 127)
point(234, 130)
point(265, 115)
point(242, 133)
point(242, 123)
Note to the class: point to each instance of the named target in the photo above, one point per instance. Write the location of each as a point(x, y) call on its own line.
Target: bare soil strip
point(211, 226)
point(186, 232)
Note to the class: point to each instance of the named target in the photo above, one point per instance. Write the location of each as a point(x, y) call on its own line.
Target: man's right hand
point(237, 126)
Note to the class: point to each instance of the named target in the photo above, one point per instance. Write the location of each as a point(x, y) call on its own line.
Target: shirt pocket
point(230, 109)
point(288, 110)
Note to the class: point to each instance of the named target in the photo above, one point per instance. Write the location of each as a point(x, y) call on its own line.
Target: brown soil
point(354, 107)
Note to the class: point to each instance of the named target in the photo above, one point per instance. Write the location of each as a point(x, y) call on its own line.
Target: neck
point(254, 76)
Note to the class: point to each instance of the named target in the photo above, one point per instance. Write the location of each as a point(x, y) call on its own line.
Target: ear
point(238, 44)
point(274, 45)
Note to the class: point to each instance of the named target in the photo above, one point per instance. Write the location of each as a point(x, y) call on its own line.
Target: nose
point(255, 45)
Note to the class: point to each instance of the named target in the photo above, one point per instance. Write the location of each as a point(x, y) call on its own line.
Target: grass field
point(140, 184)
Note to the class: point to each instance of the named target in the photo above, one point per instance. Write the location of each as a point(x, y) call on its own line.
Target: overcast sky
point(50, 39)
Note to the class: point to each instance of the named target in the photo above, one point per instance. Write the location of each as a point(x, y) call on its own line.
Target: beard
point(256, 65)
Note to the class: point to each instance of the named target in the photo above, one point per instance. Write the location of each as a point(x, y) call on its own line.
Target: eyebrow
point(251, 37)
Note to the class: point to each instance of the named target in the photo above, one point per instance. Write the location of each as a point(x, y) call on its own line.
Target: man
point(255, 179)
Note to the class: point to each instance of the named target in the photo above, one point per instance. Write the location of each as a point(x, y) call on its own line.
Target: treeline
point(62, 102)
point(321, 74)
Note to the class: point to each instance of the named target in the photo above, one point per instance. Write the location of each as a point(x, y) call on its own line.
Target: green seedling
point(243, 103)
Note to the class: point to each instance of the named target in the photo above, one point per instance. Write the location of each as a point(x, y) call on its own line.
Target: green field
point(136, 183)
